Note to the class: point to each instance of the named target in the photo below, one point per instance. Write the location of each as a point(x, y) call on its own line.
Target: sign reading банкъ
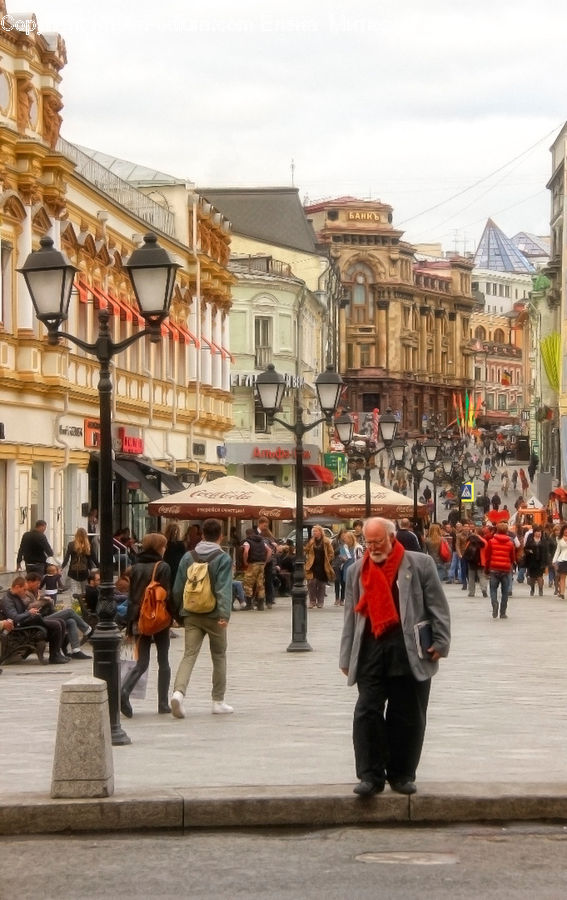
point(363, 215)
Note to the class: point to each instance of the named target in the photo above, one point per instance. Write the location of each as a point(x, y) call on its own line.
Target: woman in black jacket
point(536, 556)
point(81, 559)
point(153, 548)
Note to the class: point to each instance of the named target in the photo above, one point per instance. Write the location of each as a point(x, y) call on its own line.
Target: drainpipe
point(168, 453)
point(194, 204)
point(60, 443)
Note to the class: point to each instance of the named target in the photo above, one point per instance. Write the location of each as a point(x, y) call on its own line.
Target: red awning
point(561, 494)
point(103, 300)
point(317, 475)
point(188, 336)
point(212, 346)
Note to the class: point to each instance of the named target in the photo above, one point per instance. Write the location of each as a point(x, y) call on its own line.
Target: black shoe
point(125, 707)
point(368, 788)
point(58, 660)
point(503, 616)
point(163, 710)
point(80, 655)
point(484, 594)
point(403, 787)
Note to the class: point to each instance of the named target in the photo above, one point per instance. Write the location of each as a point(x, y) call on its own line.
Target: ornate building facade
point(172, 401)
point(404, 331)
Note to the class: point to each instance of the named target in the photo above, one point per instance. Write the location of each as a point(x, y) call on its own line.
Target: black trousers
point(56, 634)
point(391, 711)
point(144, 643)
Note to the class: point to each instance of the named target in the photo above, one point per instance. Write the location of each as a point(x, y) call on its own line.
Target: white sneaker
point(220, 708)
point(177, 705)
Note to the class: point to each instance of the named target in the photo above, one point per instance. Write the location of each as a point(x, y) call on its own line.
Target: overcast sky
point(411, 103)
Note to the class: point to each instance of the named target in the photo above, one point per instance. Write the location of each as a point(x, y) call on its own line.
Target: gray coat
point(421, 597)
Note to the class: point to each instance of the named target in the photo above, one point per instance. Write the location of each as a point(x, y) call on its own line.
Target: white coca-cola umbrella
point(227, 497)
point(349, 501)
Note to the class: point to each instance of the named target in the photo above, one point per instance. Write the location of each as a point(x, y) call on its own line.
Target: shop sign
point(129, 443)
point(92, 432)
point(248, 379)
point(278, 454)
point(71, 430)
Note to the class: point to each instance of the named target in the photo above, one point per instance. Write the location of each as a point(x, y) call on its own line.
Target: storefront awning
point(317, 475)
point(131, 472)
point(172, 482)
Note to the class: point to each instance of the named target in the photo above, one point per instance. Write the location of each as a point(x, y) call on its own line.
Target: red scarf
point(376, 600)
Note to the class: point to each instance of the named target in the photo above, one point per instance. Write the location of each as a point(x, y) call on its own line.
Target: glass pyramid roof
point(497, 253)
point(531, 244)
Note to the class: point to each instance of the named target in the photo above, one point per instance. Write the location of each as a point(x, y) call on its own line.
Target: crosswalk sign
point(467, 492)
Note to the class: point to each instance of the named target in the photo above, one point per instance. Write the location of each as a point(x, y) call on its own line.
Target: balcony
point(262, 357)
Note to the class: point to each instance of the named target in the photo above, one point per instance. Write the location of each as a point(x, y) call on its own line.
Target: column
point(25, 314)
point(423, 312)
point(382, 334)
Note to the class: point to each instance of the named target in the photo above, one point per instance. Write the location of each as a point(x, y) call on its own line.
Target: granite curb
point(316, 806)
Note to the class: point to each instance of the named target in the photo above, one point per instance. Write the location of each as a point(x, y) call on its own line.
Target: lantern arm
point(104, 346)
point(299, 427)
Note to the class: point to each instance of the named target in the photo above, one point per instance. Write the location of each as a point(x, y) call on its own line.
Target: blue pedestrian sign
point(467, 492)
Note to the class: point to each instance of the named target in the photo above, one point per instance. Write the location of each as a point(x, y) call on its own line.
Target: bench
point(22, 642)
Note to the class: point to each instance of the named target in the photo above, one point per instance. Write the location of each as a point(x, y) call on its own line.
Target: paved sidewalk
point(497, 722)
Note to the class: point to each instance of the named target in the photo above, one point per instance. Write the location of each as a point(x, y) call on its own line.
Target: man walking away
point(34, 548)
point(389, 592)
point(406, 536)
point(197, 625)
point(499, 560)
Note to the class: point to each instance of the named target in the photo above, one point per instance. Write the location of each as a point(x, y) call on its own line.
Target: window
point(480, 333)
point(260, 419)
point(361, 305)
point(502, 401)
point(490, 401)
point(262, 341)
point(499, 336)
point(477, 373)
point(5, 283)
point(349, 356)
point(365, 355)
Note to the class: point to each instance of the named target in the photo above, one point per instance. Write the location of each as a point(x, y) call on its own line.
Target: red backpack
point(154, 614)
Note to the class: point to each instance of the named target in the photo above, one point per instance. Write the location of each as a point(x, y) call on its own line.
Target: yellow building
point(404, 327)
point(172, 401)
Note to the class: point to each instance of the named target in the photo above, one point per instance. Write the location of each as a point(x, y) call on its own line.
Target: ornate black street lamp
point(270, 388)
point(459, 470)
point(49, 279)
point(416, 468)
point(360, 446)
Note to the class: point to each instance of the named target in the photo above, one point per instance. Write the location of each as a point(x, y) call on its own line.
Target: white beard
point(378, 557)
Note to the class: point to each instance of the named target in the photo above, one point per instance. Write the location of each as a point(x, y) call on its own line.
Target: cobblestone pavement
point(497, 710)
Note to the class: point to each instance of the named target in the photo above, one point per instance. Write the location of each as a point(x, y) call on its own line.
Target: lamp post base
point(299, 642)
point(106, 642)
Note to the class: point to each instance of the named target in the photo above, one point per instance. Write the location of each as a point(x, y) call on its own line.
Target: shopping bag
point(127, 663)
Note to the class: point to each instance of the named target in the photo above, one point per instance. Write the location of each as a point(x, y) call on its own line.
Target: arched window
point(499, 337)
point(361, 307)
point(480, 333)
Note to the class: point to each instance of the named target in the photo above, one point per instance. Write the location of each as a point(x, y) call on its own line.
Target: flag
point(506, 379)
point(456, 408)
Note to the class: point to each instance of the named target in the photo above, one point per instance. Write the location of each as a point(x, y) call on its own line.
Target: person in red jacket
point(500, 555)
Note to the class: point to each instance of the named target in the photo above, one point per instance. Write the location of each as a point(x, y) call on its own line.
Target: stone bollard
point(83, 764)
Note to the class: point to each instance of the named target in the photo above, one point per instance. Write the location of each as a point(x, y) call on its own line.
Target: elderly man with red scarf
point(388, 593)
